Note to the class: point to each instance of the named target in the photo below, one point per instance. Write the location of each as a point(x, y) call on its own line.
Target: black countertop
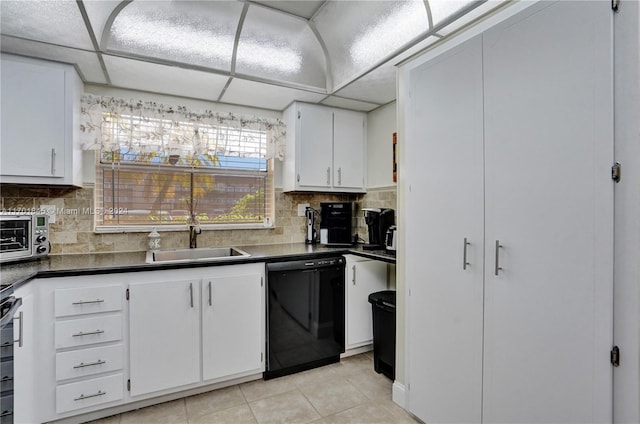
point(14, 274)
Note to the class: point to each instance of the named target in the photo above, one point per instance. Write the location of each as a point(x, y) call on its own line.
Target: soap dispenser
point(153, 240)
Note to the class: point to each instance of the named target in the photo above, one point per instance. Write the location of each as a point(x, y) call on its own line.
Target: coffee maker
point(378, 222)
point(310, 226)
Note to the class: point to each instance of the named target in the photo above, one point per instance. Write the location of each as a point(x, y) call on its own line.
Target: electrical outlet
point(50, 210)
point(302, 207)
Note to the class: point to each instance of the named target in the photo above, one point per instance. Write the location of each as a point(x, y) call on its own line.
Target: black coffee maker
point(378, 222)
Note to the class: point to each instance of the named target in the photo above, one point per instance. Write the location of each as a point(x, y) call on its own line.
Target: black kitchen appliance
point(378, 222)
point(305, 314)
point(336, 223)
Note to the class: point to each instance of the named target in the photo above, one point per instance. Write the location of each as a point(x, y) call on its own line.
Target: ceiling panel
point(99, 12)
point(87, 62)
point(281, 47)
point(55, 22)
point(349, 104)
point(305, 8)
point(266, 96)
point(378, 86)
point(192, 32)
point(360, 34)
point(138, 75)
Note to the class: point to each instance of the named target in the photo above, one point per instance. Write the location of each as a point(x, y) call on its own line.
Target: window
point(163, 170)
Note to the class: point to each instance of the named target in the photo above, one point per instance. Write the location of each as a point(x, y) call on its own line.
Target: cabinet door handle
point(339, 176)
point(90, 333)
point(82, 397)
point(53, 161)
point(191, 293)
point(498, 267)
point(353, 280)
point(84, 302)
point(329, 176)
point(90, 364)
point(20, 318)
point(464, 254)
point(210, 302)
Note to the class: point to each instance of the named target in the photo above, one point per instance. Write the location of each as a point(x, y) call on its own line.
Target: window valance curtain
point(111, 124)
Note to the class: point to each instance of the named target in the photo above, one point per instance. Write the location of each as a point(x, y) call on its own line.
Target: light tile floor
point(347, 392)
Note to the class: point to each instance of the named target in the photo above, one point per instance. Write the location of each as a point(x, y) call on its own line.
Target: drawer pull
point(80, 334)
point(6, 378)
point(84, 302)
point(6, 414)
point(83, 397)
point(90, 364)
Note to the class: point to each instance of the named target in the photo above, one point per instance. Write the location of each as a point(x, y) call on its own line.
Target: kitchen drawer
point(85, 362)
point(84, 394)
point(87, 300)
point(80, 332)
point(6, 376)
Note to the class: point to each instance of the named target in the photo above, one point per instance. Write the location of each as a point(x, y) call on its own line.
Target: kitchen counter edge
point(16, 274)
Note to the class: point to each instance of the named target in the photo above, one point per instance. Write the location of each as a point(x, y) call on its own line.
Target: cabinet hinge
point(128, 385)
point(615, 356)
point(615, 5)
point(127, 293)
point(616, 172)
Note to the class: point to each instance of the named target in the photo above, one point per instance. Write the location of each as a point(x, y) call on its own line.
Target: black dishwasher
point(305, 314)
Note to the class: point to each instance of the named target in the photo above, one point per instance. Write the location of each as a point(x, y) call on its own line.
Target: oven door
point(16, 237)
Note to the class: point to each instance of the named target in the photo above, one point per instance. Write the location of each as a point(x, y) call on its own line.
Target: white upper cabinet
point(39, 122)
point(326, 149)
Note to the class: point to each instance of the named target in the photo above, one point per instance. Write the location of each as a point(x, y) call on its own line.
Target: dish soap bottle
point(153, 240)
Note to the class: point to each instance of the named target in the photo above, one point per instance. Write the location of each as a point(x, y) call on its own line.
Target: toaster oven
point(24, 236)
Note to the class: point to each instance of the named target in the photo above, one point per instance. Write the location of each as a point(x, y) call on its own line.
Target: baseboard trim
point(399, 394)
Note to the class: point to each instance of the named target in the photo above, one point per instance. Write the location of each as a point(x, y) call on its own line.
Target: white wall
point(381, 124)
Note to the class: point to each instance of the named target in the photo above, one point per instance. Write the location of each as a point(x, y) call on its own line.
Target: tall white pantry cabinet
point(509, 221)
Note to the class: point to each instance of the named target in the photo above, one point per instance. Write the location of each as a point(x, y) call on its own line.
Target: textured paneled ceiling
point(255, 53)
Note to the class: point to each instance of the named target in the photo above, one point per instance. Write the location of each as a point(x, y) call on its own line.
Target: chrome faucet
point(194, 230)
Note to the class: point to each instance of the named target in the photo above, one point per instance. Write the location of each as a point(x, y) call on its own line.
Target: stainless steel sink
point(198, 254)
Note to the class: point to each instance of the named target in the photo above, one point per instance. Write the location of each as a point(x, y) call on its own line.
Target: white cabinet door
point(232, 325)
point(348, 149)
point(164, 333)
point(363, 278)
point(314, 146)
point(549, 198)
point(32, 120)
point(444, 206)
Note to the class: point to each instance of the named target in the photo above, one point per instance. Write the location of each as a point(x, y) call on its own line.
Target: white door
point(549, 202)
point(314, 163)
point(363, 278)
point(33, 120)
point(164, 335)
point(232, 325)
point(444, 206)
point(348, 149)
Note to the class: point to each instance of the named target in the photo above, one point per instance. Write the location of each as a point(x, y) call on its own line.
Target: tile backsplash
point(73, 230)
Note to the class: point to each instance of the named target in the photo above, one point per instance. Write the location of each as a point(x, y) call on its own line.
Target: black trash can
point(383, 305)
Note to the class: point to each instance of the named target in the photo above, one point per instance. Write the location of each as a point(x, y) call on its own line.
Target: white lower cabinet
point(164, 335)
point(363, 277)
point(232, 325)
point(89, 346)
point(210, 316)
